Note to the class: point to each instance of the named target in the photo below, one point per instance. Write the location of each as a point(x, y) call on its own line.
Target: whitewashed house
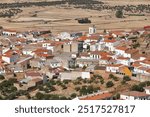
point(147, 90)
point(111, 43)
point(113, 68)
point(123, 60)
point(134, 95)
point(120, 51)
point(9, 32)
point(73, 75)
point(141, 70)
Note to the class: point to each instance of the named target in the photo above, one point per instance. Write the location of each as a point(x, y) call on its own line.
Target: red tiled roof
point(9, 30)
point(40, 50)
point(108, 36)
point(132, 51)
point(21, 40)
point(82, 38)
point(44, 55)
point(148, 70)
point(98, 97)
point(101, 53)
point(9, 53)
point(123, 58)
point(115, 65)
point(56, 43)
point(106, 58)
point(93, 37)
point(110, 40)
point(136, 65)
point(122, 48)
point(84, 54)
point(146, 61)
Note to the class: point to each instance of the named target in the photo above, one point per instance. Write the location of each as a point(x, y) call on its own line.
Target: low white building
point(141, 70)
point(147, 90)
point(74, 75)
point(134, 95)
point(113, 68)
point(111, 43)
point(120, 51)
point(9, 32)
point(123, 60)
point(64, 36)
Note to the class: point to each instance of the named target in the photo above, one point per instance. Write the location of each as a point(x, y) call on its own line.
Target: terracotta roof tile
point(122, 48)
point(98, 97)
point(109, 40)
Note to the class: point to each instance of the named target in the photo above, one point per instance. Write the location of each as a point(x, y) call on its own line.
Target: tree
point(111, 76)
point(123, 82)
point(105, 31)
point(39, 96)
point(102, 81)
point(126, 78)
point(116, 96)
point(73, 95)
point(2, 77)
point(62, 98)
point(119, 14)
point(77, 88)
point(65, 81)
point(109, 84)
point(137, 88)
point(1, 98)
point(84, 67)
point(63, 86)
point(12, 96)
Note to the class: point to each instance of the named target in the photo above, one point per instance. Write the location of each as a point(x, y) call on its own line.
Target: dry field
point(126, 2)
point(60, 19)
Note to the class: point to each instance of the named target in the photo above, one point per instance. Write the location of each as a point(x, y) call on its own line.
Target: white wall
point(147, 91)
point(112, 69)
point(125, 97)
point(6, 59)
point(27, 52)
point(85, 75)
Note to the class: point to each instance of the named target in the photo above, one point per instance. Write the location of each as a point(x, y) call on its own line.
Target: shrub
point(73, 95)
point(137, 88)
point(126, 78)
point(111, 76)
point(109, 84)
point(119, 14)
point(65, 81)
point(102, 81)
point(77, 88)
point(123, 82)
point(39, 96)
point(2, 77)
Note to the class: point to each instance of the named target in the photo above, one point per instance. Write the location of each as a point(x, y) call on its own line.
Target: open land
point(61, 18)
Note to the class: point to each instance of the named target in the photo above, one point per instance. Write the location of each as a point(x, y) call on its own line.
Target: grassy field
point(60, 19)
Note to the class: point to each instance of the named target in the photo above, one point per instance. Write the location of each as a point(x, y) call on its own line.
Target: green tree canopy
point(119, 14)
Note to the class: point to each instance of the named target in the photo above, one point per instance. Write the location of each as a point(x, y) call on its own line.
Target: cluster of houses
point(39, 54)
